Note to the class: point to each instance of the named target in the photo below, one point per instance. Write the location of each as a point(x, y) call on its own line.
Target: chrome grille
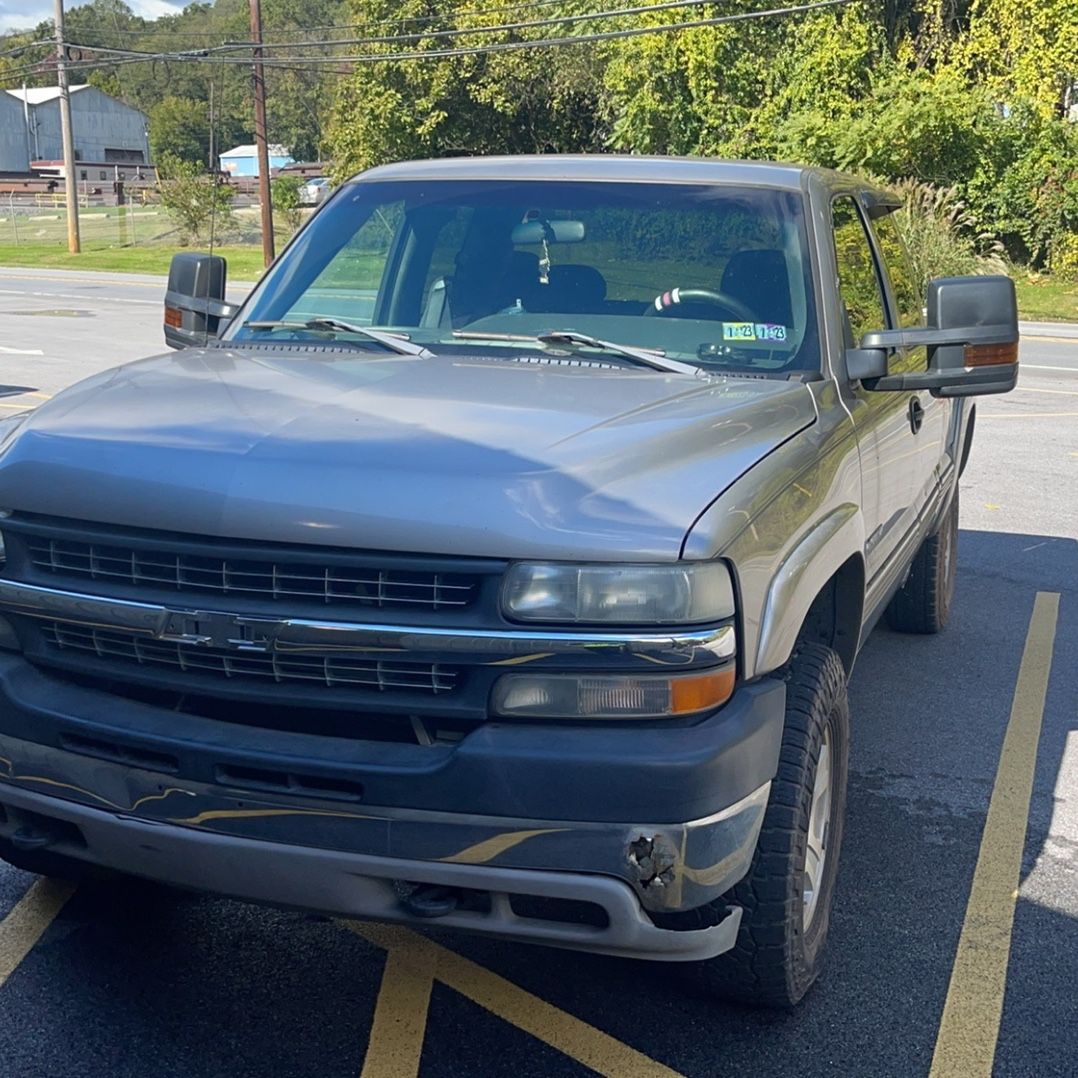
point(267, 579)
point(383, 675)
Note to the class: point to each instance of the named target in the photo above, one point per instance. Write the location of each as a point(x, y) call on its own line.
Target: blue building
point(243, 160)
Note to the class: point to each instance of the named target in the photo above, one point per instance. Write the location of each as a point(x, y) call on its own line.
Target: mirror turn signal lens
point(991, 355)
point(589, 696)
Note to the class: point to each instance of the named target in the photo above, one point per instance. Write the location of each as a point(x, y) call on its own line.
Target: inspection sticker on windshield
point(753, 331)
point(769, 331)
point(739, 331)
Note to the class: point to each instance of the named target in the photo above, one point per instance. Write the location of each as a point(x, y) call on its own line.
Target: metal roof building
point(14, 147)
point(104, 129)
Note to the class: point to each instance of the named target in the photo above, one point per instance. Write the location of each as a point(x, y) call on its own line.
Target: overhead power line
point(420, 20)
point(463, 31)
point(540, 43)
point(123, 57)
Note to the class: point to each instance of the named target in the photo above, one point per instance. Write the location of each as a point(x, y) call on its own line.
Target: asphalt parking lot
point(964, 764)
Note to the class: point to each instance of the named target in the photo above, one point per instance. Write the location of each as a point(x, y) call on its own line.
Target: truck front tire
point(786, 896)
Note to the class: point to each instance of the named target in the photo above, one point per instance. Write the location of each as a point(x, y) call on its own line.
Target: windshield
point(716, 276)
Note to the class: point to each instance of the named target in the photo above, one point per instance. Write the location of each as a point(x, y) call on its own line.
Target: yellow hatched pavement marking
point(969, 1029)
point(398, 1055)
point(400, 1015)
point(26, 923)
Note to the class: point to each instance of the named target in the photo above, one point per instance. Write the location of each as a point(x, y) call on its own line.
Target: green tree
point(180, 127)
point(193, 198)
point(1023, 50)
point(514, 102)
point(284, 192)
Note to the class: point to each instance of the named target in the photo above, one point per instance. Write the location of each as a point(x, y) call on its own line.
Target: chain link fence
point(40, 220)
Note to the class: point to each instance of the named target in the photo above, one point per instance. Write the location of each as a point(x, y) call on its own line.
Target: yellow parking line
point(587, 1045)
point(400, 1015)
point(25, 924)
point(969, 1029)
point(1059, 392)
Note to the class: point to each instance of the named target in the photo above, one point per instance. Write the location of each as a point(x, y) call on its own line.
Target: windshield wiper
point(562, 338)
point(394, 342)
point(569, 338)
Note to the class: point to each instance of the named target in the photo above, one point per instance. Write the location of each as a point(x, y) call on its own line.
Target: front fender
point(786, 527)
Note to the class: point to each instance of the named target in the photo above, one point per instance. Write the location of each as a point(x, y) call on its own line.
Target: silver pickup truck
point(501, 563)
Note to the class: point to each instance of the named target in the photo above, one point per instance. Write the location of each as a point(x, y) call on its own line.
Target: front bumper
point(362, 885)
point(656, 819)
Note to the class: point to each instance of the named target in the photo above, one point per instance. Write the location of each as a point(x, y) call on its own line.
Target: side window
point(909, 295)
point(858, 281)
point(447, 245)
point(348, 284)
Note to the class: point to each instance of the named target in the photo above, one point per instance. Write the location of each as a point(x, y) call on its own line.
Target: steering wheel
point(667, 302)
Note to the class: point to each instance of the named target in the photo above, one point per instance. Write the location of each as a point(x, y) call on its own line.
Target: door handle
point(917, 414)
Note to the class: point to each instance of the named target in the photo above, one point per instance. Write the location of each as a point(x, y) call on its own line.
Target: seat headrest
point(759, 279)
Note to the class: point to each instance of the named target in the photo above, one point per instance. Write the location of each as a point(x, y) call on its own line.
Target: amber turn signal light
point(700, 693)
point(611, 696)
point(991, 355)
point(173, 317)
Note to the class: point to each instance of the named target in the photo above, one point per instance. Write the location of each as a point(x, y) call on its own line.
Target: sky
point(26, 14)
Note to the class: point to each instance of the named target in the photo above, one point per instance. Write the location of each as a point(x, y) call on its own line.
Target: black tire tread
point(922, 604)
point(761, 969)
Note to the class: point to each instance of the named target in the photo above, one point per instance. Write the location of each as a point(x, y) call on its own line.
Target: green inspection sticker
point(753, 331)
point(739, 331)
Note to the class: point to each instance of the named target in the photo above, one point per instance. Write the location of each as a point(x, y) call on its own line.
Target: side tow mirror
point(971, 337)
point(195, 307)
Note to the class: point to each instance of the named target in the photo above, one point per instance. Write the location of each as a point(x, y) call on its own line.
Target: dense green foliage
point(977, 98)
point(972, 97)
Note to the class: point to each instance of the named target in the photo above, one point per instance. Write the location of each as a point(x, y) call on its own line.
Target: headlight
point(681, 593)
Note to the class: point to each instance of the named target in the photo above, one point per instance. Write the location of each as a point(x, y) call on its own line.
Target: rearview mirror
point(971, 337)
point(552, 231)
point(195, 307)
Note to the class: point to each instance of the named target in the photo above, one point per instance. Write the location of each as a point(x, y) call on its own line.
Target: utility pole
point(213, 125)
point(260, 134)
point(70, 190)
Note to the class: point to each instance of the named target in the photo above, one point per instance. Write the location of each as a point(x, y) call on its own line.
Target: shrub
point(195, 200)
point(284, 192)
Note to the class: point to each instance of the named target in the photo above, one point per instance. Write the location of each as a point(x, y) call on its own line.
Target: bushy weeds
point(943, 236)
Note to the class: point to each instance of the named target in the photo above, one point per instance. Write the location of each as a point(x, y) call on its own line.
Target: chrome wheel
point(819, 825)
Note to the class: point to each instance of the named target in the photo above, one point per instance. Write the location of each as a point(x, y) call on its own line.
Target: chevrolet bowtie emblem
point(214, 629)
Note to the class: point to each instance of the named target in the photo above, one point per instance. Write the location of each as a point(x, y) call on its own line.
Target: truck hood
point(445, 455)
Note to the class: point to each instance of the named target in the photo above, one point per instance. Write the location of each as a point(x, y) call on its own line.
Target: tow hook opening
point(653, 860)
point(31, 832)
point(431, 900)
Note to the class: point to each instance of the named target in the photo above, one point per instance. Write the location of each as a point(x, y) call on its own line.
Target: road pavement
point(947, 733)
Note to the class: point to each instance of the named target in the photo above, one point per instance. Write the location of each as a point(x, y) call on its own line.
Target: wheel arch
point(818, 593)
point(835, 616)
